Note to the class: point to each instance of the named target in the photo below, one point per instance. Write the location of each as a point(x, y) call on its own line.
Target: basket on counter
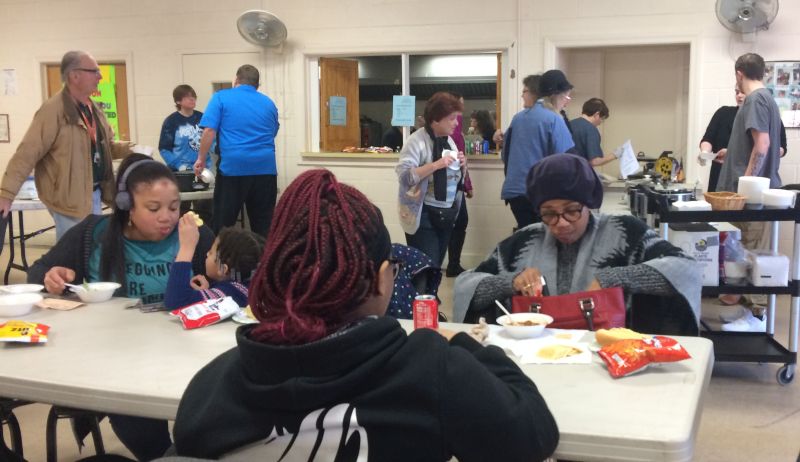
point(725, 200)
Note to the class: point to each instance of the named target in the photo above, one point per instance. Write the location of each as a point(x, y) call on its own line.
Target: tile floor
point(747, 415)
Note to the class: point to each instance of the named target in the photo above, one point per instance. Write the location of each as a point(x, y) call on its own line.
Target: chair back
point(418, 276)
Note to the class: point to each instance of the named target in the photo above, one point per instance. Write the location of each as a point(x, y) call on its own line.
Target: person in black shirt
point(325, 375)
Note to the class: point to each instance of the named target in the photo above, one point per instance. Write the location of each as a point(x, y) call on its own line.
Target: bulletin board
point(782, 79)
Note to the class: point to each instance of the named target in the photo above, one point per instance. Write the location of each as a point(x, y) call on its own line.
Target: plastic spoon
point(503, 308)
point(76, 288)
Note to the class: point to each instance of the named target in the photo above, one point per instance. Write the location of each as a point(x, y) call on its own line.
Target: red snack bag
point(628, 356)
point(207, 312)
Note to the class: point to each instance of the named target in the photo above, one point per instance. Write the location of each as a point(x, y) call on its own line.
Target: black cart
point(749, 346)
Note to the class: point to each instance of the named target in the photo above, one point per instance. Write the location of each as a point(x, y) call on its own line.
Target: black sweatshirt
point(371, 392)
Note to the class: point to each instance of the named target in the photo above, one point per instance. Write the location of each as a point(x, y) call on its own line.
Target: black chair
point(7, 417)
point(83, 422)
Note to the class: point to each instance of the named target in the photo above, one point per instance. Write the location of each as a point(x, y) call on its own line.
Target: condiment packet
point(59, 304)
point(23, 331)
point(206, 312)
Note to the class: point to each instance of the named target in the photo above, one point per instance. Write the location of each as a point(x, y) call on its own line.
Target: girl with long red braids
point(326, 376)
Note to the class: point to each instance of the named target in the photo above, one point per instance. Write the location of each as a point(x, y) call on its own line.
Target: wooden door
point(339, 77)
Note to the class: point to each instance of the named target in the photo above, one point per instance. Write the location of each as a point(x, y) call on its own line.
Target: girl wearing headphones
point(135, 247)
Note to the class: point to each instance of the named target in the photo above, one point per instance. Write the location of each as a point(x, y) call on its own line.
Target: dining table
point(113, 358)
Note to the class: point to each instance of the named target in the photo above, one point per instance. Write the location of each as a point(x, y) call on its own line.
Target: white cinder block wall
point(152, 36)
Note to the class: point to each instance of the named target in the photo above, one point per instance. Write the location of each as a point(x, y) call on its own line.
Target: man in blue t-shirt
point(587, 136)
point(247, 122)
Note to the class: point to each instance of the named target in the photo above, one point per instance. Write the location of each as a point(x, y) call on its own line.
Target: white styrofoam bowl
point(21, 289)
point(97, 291)
point(778, 198)
point(18, 304)
point(541, 320)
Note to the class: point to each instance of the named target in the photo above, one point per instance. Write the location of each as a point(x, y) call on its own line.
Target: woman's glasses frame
point(571, 215)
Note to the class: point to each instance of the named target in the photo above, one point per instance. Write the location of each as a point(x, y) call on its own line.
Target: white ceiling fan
point(261, 28)
point(746, 17)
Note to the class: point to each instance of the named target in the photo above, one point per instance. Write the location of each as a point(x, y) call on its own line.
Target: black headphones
point(123, 198)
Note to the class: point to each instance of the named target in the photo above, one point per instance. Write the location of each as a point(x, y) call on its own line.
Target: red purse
point(595, 309)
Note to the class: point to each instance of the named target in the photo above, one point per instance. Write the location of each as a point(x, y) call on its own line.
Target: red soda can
point(426, 312)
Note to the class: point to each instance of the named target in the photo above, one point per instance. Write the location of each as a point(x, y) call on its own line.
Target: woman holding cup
point(431, 174)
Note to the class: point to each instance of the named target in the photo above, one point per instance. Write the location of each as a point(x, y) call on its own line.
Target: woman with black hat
point(577, 249)
point(534, 133)
point(554, 89)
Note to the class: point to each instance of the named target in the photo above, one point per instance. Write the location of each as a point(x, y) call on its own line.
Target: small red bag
point(594, 309)
point(625, 357)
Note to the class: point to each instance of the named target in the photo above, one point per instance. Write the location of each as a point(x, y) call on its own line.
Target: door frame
point(553, 47)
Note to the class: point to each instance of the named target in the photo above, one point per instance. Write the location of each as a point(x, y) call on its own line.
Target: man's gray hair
point(70, 62)
point(247, 75)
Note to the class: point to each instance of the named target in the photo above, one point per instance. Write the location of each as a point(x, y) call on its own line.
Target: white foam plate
point(21, 288)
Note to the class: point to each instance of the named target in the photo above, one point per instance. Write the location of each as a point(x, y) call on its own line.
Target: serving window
point(355, 95)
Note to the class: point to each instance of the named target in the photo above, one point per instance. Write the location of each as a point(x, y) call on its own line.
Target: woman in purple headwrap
point(576, 248)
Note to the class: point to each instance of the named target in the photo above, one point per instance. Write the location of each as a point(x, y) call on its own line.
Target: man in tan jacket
point(70, 145)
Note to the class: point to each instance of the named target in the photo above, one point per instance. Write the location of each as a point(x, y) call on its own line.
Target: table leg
point(22, 239)
point(11, 247)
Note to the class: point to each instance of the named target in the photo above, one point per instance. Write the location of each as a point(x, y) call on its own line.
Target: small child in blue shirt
point(230, 263)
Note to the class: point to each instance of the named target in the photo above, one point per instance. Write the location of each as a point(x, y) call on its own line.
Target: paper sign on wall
point(337, 110)
point(106, 96)
point(403, 110)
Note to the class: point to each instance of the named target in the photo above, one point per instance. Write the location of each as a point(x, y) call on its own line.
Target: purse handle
point(587, 308)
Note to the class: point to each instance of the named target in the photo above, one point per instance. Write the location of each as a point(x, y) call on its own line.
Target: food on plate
point(625, 357)
point(249, 313)
point(370, 149)
point(526, 322)
point(606, 337)
point(480, 331)
point(556, 352)
point(197, 220)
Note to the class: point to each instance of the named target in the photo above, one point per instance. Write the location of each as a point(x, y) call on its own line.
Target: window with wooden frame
point(361, 88)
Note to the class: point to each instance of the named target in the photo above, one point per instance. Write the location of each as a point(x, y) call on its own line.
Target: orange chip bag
point(22, 331)
point(628, 356)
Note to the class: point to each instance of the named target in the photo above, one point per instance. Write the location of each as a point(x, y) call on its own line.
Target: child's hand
point(188, 235)
point(199, 282)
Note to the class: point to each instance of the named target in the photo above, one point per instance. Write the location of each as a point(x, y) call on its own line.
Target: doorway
point(646, 89)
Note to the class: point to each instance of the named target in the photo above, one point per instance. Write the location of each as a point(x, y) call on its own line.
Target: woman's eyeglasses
point(396, 265)
point(572, 215)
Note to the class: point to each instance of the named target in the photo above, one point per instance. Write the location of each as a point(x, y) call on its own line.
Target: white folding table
point(107, 358)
